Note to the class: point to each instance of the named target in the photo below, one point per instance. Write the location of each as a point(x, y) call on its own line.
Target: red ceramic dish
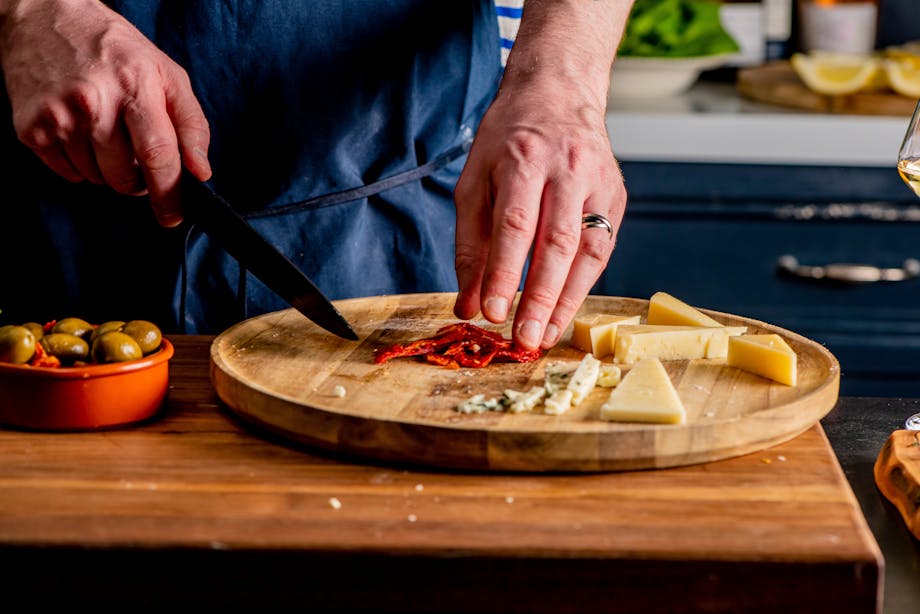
point(83, 398)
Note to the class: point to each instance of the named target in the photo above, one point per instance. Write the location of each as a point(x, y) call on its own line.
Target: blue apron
point(337, 128)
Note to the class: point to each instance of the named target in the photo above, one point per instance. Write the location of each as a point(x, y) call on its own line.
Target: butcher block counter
point(195, 508)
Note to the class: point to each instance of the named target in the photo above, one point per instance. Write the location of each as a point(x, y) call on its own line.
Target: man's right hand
point(97, 101)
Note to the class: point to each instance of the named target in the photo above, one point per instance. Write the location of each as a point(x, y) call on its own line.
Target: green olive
point(115, 346)
point(17, 344)
point(147, 335)
point(106, 327)
point(73, 326)
point(65, 346)
point(36, 329)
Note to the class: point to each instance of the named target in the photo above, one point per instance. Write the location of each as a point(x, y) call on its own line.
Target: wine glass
point(909, 170)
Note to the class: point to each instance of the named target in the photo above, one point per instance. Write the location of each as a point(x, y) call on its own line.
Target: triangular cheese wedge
point(666, 310)
point(765, 355)
point(646, 394)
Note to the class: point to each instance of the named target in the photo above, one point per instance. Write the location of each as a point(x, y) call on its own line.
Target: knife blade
point(207, 209)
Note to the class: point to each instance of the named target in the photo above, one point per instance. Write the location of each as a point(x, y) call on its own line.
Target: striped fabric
point(509, 19)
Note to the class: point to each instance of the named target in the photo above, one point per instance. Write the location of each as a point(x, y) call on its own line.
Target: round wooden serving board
point(279, 371)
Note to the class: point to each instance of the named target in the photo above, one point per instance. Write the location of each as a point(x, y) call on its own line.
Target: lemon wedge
point(903, 74)
point(909, 49)
point(836, 74)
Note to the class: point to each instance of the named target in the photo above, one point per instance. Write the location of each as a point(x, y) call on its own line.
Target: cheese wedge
point(633, 343)
point(666, 310)
point(646, 394)
point(595, 332)
point(765, 355)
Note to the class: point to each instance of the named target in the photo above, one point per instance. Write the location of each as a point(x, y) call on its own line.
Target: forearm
point(568, 41)
point(12, 12)
point(6, 6)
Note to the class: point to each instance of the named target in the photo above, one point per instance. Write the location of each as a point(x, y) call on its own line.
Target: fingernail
point(495, 308)
point(551, 336)
point(530, 333)
point(169, 220)
point(204, 158)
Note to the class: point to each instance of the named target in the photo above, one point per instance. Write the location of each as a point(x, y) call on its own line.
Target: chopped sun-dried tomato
point(460, 345)
point(41, 358)
point(442, 360)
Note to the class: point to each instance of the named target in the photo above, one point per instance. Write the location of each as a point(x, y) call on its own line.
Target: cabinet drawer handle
point(848, 273)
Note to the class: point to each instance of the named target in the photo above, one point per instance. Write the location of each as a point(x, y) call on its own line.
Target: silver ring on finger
point(596, 220)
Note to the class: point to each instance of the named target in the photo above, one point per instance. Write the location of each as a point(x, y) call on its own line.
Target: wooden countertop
point(195, 508)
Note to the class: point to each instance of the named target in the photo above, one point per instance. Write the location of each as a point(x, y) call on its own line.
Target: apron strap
point(335, 198)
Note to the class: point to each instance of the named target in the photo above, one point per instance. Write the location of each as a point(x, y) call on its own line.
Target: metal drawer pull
point(849, 273)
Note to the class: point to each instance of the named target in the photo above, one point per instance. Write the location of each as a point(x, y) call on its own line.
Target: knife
point(207, 209)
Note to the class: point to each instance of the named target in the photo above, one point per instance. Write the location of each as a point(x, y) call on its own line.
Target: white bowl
point(650, 77)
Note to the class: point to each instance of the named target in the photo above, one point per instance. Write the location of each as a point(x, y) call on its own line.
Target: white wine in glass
point(909, 155)
point(909, 169)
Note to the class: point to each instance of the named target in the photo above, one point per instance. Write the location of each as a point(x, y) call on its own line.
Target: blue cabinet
point(715, 235)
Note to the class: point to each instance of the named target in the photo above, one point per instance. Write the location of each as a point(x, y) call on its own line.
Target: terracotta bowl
point(84, 398)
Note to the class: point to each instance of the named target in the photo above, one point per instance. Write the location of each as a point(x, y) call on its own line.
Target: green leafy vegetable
point(675, 28)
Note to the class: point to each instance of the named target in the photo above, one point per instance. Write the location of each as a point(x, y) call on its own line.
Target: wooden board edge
point(393, 441)
point(897, 475)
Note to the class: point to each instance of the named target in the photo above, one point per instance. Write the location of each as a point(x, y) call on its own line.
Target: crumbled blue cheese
point(519, 402)
point(559, 403)
point(584, 379)
point(557, 376)
point(479, 404)
point(564, 386)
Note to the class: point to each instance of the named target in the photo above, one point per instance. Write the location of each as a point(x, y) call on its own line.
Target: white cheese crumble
point(584, 379)
point(524, 401)
point(559, 403)
point(479, 404)
point(339, 391)
point(563, 386)
point(609, 376)
point(556, 376)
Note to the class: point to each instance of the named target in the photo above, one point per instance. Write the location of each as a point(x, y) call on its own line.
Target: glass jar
point(839, 26)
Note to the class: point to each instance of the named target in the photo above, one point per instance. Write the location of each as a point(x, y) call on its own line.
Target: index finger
point(514, 223)
point(156, 148)
point(190, 124)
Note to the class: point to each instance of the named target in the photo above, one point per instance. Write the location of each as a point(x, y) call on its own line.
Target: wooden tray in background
point(897, 475)
point(776, 83)
point(279, 371)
